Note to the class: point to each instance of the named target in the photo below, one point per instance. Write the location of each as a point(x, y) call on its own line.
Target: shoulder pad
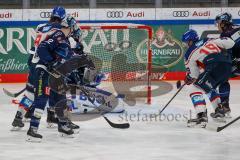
point(49, 26)
point(56, 25)
point(39, 27)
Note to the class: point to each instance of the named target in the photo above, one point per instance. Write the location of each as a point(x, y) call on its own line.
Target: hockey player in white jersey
point(208, 65)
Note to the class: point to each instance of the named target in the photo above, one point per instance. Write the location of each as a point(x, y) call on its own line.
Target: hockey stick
point(228, 124)
point(172, 98)
point(14, 95)
point(83, 89)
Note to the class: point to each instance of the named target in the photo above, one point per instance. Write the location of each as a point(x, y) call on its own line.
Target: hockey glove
point(79, 49)
point(53, 65)
point(189, 80)
point(77, 34)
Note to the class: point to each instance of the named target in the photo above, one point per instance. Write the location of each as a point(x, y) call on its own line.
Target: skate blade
point(76, 131)
point(228, 115)
point(51, 125)
point(33, 139)
point(25, 120)
point(15, 129)
point(212, 126)
point(219, 120)
point(64, 135)
point(194, 125)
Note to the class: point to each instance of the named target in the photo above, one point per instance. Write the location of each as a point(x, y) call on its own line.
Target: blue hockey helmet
point(59, 12)
point(224, 17)
point(190, 35)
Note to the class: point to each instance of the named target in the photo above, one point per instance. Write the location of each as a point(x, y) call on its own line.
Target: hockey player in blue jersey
point(228, 29)
point(208, 65)
point(55, 97)
point(51, 51)
point(58, 14)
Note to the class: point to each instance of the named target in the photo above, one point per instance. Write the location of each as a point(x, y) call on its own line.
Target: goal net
point(123, 54)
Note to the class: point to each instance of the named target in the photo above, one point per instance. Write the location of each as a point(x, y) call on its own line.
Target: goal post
point(123, 53)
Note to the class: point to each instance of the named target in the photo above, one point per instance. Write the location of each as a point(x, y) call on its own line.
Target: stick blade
point(219, 129)
point(116, 125)
point(14, 95)
point(8, 93)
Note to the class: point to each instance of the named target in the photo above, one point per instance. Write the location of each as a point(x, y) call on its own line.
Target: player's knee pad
point(198, 101)
point(35, 119)
point(38, 113)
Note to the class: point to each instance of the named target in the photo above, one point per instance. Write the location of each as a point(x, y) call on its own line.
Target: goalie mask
point(69, 22)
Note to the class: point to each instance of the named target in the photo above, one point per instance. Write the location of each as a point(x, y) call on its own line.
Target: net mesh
point(122, 54)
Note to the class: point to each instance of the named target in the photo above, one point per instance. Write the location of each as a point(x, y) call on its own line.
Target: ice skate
point(28, 114)
point(219, 114)
point(65, 131)
point(51, 119)
point(226, 109)
point(73, 126)
point(17, 122)
point(200, 121)
point(33, 136)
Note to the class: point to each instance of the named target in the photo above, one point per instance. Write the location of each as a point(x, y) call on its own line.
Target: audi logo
point(180, 13)
point(45, 14)
point(115, 14)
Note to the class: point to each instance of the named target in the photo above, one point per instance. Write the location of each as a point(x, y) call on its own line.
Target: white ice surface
point(144, 140)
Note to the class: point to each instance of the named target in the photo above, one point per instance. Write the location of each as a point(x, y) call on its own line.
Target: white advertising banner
point(206, 31)
point(122, 14)
point(44, 14)
point(10, 14)
point(187, 13)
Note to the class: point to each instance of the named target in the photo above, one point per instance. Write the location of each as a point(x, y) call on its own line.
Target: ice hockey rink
point(146, 139)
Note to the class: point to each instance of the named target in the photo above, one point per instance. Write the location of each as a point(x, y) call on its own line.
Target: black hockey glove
point(77, 34)
point(189, 80)
point(53, 65)
point(79, 49)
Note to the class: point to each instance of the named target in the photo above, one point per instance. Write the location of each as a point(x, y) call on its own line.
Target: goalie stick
point(14, 95)
point(83, 88)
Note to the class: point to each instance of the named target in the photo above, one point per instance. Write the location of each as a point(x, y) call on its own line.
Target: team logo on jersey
point(166, 50)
